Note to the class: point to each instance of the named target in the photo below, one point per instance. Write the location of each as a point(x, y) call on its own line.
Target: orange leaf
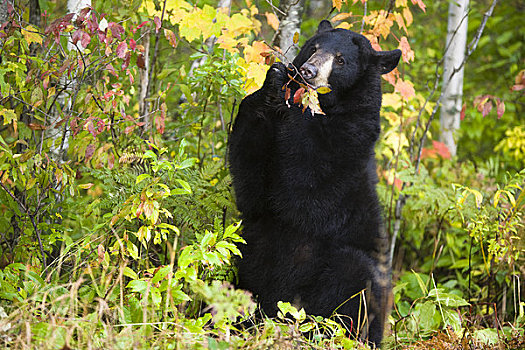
point(172, 39)
point(272, 20)
point(297, 97)
point(405, 88)
point(408, 53)
point(421, 5)
point(428, 153)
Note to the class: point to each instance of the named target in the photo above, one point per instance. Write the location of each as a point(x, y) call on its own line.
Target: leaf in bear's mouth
point(323, 90)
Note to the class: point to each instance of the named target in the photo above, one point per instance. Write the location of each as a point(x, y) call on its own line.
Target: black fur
point(305, 186)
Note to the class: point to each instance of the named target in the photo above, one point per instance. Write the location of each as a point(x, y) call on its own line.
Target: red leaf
point(127, 58)
point(76, 36)
point(116, 29)
point(156, 19)
point(287, 93)
point(111, 161)
point(500, 108)
point(83, 13)
point(487, 107)
point(86, 39)
point(297, 97)
point(91, 128)
point(142, 24)
point(90, 150)
point(462, 114)
point(140, 61)
point(159, 121)
point(129, 129)
point(100, 126)
point(441, 149)
point(121, 49)
point(132, 44)
point(111, 70)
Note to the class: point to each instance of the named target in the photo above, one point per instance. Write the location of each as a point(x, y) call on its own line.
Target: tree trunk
point(453, 72)
point(290, 18)
point(60, 135)
point(3, 11)
point(34, 13)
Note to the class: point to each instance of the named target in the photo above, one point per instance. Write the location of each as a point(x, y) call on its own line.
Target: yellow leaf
point(296, 38)
point(323, 90)
point(344, 25)
point(337, 4)
point(392, 100)
point(227, 42)
point(400, 21)
point(239, 24)
point(31, 35)
point(253, 53)
point(408, 16)
point(272, 20)
point(341, 16)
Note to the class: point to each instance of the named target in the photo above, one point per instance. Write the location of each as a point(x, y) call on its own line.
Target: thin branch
point(31, 217)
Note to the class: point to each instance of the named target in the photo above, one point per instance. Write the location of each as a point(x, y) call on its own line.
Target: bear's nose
point(308, 71)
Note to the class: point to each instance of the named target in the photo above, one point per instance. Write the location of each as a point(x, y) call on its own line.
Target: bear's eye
point(314, 49)
point(340, 60)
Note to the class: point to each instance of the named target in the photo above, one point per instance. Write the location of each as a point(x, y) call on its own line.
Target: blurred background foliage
point(118, 227)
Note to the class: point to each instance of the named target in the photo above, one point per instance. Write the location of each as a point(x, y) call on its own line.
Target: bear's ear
point(387, 60)
point(324, 26)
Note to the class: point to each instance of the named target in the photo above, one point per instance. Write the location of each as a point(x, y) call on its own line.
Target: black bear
point(305, 186)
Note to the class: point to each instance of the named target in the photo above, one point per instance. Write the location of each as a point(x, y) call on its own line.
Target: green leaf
point(161, 274)
point(137, 286)
point(488, 336)
point(130, 273)
point(422, 284)
point(447, 299)
point(142, 177)
point(451, 318)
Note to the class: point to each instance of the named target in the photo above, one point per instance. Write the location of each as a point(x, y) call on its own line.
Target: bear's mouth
point(316, 71)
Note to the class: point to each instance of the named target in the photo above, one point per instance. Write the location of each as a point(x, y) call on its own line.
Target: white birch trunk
point(3, 11)
point(289, 24)
point(452, 73)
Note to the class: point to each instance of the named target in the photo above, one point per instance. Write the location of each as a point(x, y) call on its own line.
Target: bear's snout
point(308, 71)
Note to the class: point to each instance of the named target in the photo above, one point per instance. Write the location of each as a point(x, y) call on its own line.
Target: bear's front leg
point(252, 144)
point(273, 87)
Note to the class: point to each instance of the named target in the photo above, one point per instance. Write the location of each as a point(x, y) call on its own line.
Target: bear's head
point(339, 58)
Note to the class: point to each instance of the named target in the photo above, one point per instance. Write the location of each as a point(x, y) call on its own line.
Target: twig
point(364, 15)
point(31, 217)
